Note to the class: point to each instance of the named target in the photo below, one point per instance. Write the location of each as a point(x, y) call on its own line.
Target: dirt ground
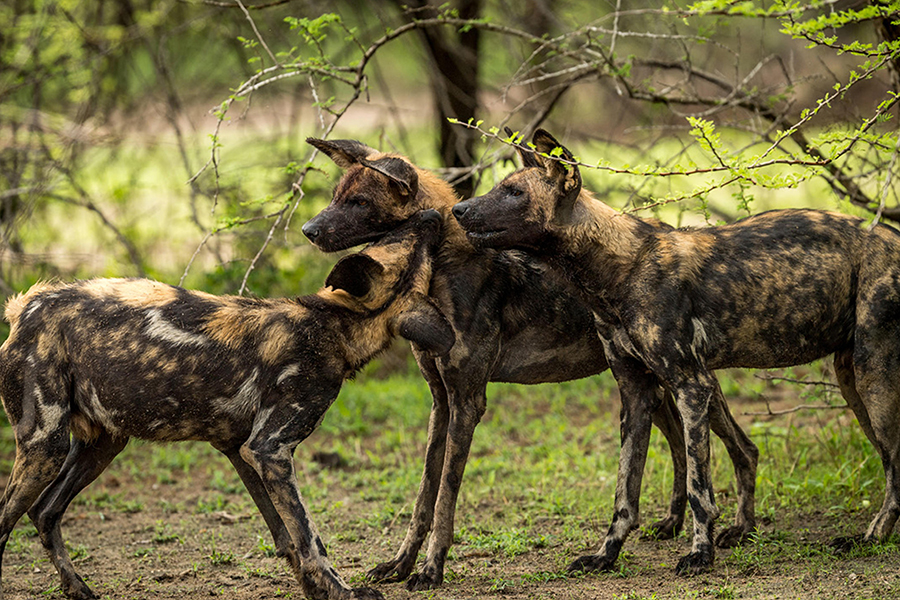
point(134, 538)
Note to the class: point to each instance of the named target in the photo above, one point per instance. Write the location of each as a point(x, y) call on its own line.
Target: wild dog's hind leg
point(639, 399)
point(744, 457)
point(41, 425)
point(667, 419)
point(876, 367)
point(846, 378)
point(83, 465)
point(399, 567)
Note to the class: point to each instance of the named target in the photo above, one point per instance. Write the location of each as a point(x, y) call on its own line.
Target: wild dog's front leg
point(276, 432)
point(638, 393)
point(464, 417)
point(465, 374)
point(283, 544)
point(399, 568)
point(694, 395)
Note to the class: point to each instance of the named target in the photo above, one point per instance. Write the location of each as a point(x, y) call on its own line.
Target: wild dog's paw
point(391, 571)
point(695, 563)
point(364, 593)
point(592, 563)
point(733, 536)
point(78, 590)
point(665, 529)
point(844, 544)
point(428, 579)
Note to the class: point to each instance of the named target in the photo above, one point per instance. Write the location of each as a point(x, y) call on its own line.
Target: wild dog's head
point(375, 195)
point(390, 279)
point(520, 211)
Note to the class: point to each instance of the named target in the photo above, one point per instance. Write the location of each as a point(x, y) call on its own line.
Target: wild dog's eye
point(516, 192)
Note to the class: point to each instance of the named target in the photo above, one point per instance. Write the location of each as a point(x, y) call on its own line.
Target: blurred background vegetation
point(165, 138)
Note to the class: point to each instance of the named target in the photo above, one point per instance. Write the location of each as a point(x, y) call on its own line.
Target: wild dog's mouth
point(332, 241)
point(485, 236)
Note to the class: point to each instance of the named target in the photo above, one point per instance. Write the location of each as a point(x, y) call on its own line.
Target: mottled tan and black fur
point(776, 289)
point(111, 359)
point(512, 323)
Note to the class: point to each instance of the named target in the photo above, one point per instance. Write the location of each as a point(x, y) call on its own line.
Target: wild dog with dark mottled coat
point(512, 323)
point(110, 359)
point(777, 289)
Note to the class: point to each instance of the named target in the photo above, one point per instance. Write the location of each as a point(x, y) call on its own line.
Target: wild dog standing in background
point(512, 324)
point(777, 289)
point(110, 359)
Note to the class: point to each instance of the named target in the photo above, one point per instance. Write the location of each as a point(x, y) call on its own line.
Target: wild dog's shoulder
point(683, 251)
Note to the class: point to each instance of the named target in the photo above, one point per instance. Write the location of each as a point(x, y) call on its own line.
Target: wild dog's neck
point(597, 246)
point(436, 193)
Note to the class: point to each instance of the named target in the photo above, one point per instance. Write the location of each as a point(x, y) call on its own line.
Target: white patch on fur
point(246, 401)
point(95, 411)
point(159, 328)
point(698, 344)
point(289, 371)
point(32, 306)
point(259, 423)
point(51, 416)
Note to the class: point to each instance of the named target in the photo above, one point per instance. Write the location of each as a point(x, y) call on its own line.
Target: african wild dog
point(512, 324)
point(776, 289)
point(110, 359)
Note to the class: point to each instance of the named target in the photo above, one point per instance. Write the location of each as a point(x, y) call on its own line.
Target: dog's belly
point(542, 355)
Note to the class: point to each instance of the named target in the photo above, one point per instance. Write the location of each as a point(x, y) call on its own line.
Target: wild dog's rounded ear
point(426, 326)
point(344, 153)
point(399, 171)
point(567, 176)
point(529, 158)
point(354, 274)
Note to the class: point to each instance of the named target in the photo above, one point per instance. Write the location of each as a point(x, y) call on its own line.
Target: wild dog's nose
point(460, 209)
point(311, 230)
point(430, 217)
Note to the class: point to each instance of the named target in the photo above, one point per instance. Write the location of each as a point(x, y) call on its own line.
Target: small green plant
point(18, 543)
point(500, 584)
point(78, 552)
point(142, 552)
point(219, 558)
point(163, 534)
point(212, 504)
point(265, 548)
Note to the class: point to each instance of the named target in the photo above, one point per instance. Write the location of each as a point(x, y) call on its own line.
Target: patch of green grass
point(211, 504)
point(78, 552)
point(219, 558)
point(510, 542)
point(143, 553)
point(24, 531)
point(265, 547)
point(163, 534)
point(501, 584)
point(111, 502)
